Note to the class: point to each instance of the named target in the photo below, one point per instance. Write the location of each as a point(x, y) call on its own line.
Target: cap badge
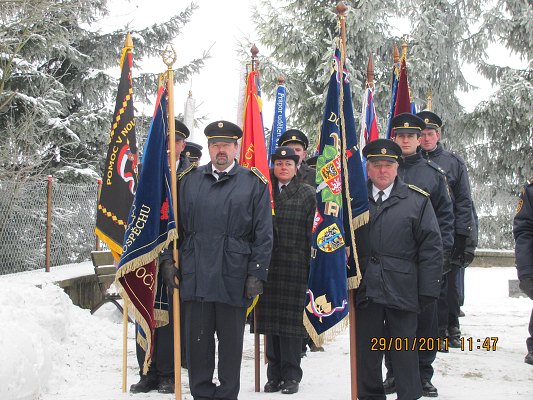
point(383, 151)
point(293, 138)
point(187, 154)
point(426, 120)
point(220, 125)
point(406, 124)
point(283, 152)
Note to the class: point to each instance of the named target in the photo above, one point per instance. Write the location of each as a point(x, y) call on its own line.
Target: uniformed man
point(160, 375)
point(457, 176)
point(226, 236)
point(298, 141)
point(193, 152)
point(400, 254)
point(425, 174)
point(523, 236)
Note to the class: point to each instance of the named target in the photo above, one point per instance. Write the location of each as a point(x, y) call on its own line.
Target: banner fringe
point(327, 336)
point(132, 266)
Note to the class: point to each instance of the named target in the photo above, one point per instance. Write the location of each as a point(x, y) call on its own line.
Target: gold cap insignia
point(220, 125)
point(283, 152)
point(426, 120)
point(293, 138)
point(187, 154)
point(383, 151)
point(406, 124)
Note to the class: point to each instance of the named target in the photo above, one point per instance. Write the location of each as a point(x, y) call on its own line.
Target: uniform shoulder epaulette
point(259, 175)
point(436, 167)
point(417, 189)
point(457, 157)
point(181, 174)
point(529, 182)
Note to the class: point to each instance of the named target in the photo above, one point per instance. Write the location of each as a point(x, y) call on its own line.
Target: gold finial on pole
point(129, 41)
point(281, 80)
point(430, 100)
point(169, 58)
point(404, 46)
point(341, 13)
point(255, 60)
point(370, 72)
point(396, 54)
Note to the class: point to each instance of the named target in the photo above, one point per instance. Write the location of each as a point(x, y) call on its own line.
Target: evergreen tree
point(498, 134)
point(297, 40)
point(56, 93)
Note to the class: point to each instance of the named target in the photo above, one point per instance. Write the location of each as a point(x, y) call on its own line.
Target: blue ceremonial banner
point(394, 91)
point(339, 176)
point(151, 227)
point(279, 124)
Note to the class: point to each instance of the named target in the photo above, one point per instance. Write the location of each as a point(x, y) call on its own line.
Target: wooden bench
point(104, 269)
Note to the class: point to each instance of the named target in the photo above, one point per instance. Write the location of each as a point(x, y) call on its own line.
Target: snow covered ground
point(52, 350)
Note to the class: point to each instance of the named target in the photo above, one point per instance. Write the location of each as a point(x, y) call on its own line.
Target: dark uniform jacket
point(523, 231)
point(457, 176)
point(399, 250)
point(281, 306)
point(430, 177)
point(225, 234)
point(307, 174)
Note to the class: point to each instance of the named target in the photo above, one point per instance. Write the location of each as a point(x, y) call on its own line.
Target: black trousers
point(442, 306)
point(427, 334)
point(371, 319)
point(453, 297)
point(529, 340)
point(162, 365)
point(202, 321)
point(284, 354)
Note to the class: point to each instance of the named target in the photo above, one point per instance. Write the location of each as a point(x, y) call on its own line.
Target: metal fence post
point(48, 223)
point(99, 190)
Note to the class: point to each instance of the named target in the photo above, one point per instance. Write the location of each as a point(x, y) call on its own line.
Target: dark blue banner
point(279, 124)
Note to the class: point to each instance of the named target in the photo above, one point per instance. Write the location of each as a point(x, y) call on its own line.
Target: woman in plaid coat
point(281, 306)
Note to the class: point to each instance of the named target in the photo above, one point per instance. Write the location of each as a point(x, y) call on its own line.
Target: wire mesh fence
point(23, 223)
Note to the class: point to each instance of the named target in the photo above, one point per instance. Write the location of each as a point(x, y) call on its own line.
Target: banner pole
point(341, 14)
point(169, 58)
point(125, 346)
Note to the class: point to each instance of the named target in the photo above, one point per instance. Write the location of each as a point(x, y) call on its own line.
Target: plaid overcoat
point(281, 306)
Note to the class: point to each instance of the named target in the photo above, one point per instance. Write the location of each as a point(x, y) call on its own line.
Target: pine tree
point(299, 39)
point(498, 134)
point(56, 92)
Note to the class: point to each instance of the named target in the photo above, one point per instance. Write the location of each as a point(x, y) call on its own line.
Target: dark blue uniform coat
point(226, 234)
point(400, 250)
point(523, 231)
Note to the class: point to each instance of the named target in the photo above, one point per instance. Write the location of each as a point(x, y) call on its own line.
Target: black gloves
point(459, 245)
point(526, 284)
point(253, 286)
point(425, 301)
point(169, 273)
point(469, 257)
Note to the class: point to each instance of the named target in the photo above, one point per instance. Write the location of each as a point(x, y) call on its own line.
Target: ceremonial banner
point(279, 124)
point(151, 227)
point(394, 89)
point(120, 174)
point(339, 177)
point(403, 98)
point(369, 125)
point(253, 150)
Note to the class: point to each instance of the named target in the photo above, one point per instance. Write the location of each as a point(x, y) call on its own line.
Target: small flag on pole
point(279, 124)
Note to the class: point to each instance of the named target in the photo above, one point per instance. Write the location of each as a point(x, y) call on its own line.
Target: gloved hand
point(425, 301)
point(526, 284)
point(459, 245)
point(169, 273)
point(469, 257)
point(253, 286)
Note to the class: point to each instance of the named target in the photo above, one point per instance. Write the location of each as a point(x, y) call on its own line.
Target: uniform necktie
point(281, 188)
point(221, 174)
point(379, 201)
